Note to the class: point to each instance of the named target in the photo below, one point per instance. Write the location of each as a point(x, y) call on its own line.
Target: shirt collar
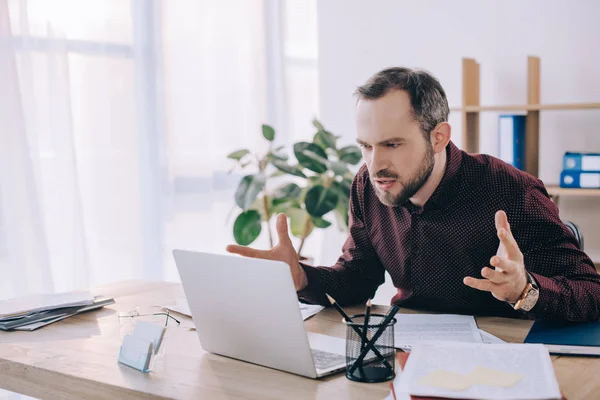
point(448, 186)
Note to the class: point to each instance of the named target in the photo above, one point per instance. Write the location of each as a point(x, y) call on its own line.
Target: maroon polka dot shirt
point(429, 250)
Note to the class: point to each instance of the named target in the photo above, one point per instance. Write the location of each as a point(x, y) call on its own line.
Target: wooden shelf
point(528, 107)
point(558, 191)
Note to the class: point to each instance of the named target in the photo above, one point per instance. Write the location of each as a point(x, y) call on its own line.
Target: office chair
point(576, 232)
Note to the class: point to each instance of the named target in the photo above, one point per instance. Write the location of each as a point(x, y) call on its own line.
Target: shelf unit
point(557, 191)
point(471, 108)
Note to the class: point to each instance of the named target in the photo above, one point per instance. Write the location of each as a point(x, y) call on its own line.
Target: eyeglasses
point(135, 313)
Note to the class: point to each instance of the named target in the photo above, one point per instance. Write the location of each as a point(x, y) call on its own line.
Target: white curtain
point(115, 121)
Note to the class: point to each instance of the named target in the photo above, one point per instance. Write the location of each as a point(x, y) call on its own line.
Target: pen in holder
point(370, 352)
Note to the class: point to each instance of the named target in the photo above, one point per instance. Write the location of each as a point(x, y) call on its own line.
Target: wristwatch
point(529, 296)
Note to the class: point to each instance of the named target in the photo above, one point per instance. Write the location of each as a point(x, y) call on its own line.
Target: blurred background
point(117, 116)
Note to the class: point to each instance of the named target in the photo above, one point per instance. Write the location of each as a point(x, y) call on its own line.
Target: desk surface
point(77, 358)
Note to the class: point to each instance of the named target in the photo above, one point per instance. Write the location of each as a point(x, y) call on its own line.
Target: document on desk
point(20, 306)
point(181, 307)
point(480, 371)
point(423, 328)
point(307, 310)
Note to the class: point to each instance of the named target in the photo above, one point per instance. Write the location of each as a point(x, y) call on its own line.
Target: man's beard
point(409, 188)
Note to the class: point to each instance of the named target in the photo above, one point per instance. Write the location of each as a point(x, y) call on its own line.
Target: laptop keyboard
point(325, 360)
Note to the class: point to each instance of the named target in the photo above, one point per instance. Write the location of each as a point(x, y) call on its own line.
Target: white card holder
point(140, 348)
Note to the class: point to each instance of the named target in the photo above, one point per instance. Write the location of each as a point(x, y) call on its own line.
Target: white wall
point(358, 38)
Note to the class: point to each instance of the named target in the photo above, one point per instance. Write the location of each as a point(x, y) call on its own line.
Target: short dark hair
point(427, 97)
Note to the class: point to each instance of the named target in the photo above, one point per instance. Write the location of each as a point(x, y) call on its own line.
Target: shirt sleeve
point(569, 285)
point(358, 272)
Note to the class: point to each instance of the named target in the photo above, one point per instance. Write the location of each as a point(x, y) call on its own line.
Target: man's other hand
point(283, 251)
point(508, 279)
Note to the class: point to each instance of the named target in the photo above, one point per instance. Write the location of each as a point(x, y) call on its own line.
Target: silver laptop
point(248, 309)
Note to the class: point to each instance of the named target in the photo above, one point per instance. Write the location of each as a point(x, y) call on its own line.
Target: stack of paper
point(411, 329)
point(480, 371)
point(33, 312)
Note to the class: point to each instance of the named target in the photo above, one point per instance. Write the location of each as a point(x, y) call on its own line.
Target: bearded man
point(457, 232)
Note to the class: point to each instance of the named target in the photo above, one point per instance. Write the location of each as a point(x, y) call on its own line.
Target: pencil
point(366, 324)
point(339, 308)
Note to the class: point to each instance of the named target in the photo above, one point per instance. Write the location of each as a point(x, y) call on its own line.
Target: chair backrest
point(576, 232)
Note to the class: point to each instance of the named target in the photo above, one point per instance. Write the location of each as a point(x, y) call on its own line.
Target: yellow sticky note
point(445, 380)
point(494, 377)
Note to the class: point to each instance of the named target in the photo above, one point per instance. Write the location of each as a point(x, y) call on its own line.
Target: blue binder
point(511, 139)
point(581, 161)
point(567, 338)
point(580, 179)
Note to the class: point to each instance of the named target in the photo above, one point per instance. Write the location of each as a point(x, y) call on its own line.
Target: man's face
point(398, 157)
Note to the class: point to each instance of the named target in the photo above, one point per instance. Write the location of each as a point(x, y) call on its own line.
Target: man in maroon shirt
point(437, 219)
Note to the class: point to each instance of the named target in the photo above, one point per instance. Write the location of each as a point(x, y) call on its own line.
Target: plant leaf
point(249, 187)
point(342, 189)
point(272, 155)
point(339, 168)
point(247, 227)
point(268, 132)
point(238, 154)
point(324, 140)
point(301, 151)
point(317, 124)
point(315, 180)
point(341, 215)
point(298, 218)
point(320, 222)
point(287, 191)
point(320, 200)
point(350, 154)
point(289, 169)
point(283, 205)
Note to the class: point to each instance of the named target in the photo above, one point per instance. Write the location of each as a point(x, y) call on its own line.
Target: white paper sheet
point(489, 338)
point(307, 310)
point(181, 307)
point(40, 302)
point(532, 361)
point(411, 329)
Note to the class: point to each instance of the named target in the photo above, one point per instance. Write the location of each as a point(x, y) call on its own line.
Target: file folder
point(580, 179)
point(567, 338)
point(581, 161)
point(511, 140)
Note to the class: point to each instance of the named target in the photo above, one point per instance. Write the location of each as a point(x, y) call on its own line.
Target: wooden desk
point(77, 359)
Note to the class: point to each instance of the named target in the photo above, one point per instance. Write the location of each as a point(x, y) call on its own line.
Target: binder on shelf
point(580, 179)
point(511, 139)
point(573, 161)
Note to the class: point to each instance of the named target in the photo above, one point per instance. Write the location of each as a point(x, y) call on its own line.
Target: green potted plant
point(317, 184)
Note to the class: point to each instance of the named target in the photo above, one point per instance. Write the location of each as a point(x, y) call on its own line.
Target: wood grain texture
point(77, 359)
point(532, 143)
point(533, 80)
point(471, 92)
point(558, 191)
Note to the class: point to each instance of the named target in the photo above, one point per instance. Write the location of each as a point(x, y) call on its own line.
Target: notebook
point(567, 338)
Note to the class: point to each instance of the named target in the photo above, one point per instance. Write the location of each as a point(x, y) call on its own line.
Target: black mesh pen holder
point(370, 357)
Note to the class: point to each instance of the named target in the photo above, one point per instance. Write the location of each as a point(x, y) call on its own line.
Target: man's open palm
point(283, 251)
point(508, 279)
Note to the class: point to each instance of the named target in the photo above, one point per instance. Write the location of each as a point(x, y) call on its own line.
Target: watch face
point(530, 300)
